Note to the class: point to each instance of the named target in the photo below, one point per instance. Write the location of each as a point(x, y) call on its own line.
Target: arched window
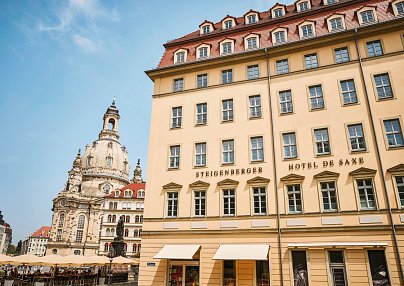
point(141, 219)
point(115, 206)
point(106, 188)
point(112, 231)
point(80, 227)
point(139, 246)
point(135, 233)
point(127, 219)
point(137, 219)
point(107, 232)
point(137, 206)
point(125, 247)
point(61, 220)
point(109, 218)
point(142, 205)
point(90, 161)
point(140, 232)
point(77, 252)
point(126, 234)
point(134, 247)
point(114, 218)
point(111, 124)
point(81, 221)
point(110, 145)
point(128, 206)
point(109, 161)
point(106, 246)
point(111, 205)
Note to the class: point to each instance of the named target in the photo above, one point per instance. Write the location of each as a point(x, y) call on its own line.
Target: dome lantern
point(111, 120)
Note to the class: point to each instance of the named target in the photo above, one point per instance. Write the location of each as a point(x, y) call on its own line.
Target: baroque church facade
point(78, 209)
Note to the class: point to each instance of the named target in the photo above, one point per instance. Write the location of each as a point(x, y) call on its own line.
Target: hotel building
point(276, 151)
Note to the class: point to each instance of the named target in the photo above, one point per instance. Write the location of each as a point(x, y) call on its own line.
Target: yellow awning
point(242, 252)
point(178, 251)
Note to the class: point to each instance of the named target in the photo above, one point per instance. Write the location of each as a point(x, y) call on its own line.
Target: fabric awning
point(337, 244)
point(242, 252)
point(178, 251)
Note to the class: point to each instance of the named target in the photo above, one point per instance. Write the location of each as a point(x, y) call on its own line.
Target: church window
point(81, 222)
point(106, 188)
point(138, 206)
point(140, 232)
point(134, 247)
point(138, 247)
point(77, 252)
point(109, 161)
point(110, 145)
point(114, 218)
point(126, 234)
point(59, 235)
point(79, 236)
point(90, 160)
point(112, 231)
point(111, 124)
point(61, 220)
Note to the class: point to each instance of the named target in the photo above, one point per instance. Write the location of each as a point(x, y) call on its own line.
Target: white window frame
point(255, 106)
point(394, 132)
point(343, 59)
point(226, 42)
point(357, 188)
point(262, 200)
point(336, 16)
point(294, 193)
point(228, 20)
point(225, 74)
point(305, 24)
point(385, 85)
point(330, 2)
point(397, 187)
point(203, 79)
point(328, 190)
point(316, 97)
point(322, 141)
point(200, 154)
point(227, 113)
point(176, 117)
point(298, 5)
point(289, 145)
point(355, 138)
point(204, 26)
point(251, 37)
point(201, 113)
point(285, 105)
point(395, 10)
point(228, 197)
point(227, 151)
point(201, 198)
point(178, 87)
point(249, 16)
point(258, 148)
point(176, 56)
point(274, 39)
point(311, 61)
point(173, 198)
point(276, 8)
point(280, 64)
point(253, 72)
point(176, 156)
point(367, 9)
point(203, 46)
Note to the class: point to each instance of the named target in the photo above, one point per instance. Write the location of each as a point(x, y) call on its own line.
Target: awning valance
point(242, 252)
point(178, 251)
point(337, 245)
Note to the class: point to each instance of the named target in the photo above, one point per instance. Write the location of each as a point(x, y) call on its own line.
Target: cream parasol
point(123, 260)
point(96, 260)
point(26, 259)
point(5, 259)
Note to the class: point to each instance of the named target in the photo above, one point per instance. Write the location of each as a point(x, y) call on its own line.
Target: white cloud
point(84, 43)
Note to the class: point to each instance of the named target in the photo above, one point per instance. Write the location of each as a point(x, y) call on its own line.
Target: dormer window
point(306, 29)
point(106, 188)
point(128, 194)
point(117, 193)
point(206, 29)
point(279, 36)
point(336, 23)
point(329, 2)
point(398, 8)
point(367, 15)
point(251, 42)
point(303, 6)
point(227, 47)
point(203, 51)
point(228, 24)
point(278, 13)
point(251, 19)
point(180, 56)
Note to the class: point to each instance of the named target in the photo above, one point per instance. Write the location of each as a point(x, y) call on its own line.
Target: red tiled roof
point(318, 13)
point(135, 187)
point(42, 232)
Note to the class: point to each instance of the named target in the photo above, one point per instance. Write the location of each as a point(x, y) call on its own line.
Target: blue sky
point(61, 63)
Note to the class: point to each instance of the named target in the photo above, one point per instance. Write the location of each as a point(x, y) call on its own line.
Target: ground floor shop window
point(378, 268)
point(337, 268)
point(229, 273)
point(299, 264)
point(183, 275)
point(262, 273)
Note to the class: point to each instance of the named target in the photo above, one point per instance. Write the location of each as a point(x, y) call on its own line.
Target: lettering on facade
point(151, 264)
point(326, 164)
point(229, 172)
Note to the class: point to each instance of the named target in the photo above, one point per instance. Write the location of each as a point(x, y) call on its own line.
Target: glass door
point(191, 276)
point(183, 273)
point(175, 275)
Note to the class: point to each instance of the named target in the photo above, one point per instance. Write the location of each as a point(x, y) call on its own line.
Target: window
point(229, 272)
point(374, 48)
point(127, 219)
point(367, 17)
point(227, 48)
point(299, 264)
point(329, 196)
point(79, 236)
point(61, 220)
point(109, 161)
point(257, 149)
point(251, 19)
point(322, 141)
point(227, 76)
point(366, 195)
point(289, 145)
point(175, 156)
point(282, 66)
point(172, 204)
point(205, 29)
point(311, 61)
point(278, 13)
point(393, 133)
point(200, 203)
point(201, 113)
point(255, 106)
point(304, 6)
point(260, 201)
point(228, 151)
point(126, 232)
point(253, 72)
point(348, 91)
point(202, 80)
point(59, 235)
point(336, 24)
point(400, 189)
point(331, 2)
point(176, 119)
point(280, 37)
point(200, 154)
point(178, 84)
point(81, 221)
point(180, 57)
point(262, 272)
point(228, 24)
point(229, 202)
point(337, 268)
point(383, 86)
point(316, 97)
point(203, 52)
point(307, 31)
point(285, 101)
point(341, 55)
point(400, 8)
point(356, 137)
point(227, 110)
point(252, 43)
point(378, 267)
point(294, 199)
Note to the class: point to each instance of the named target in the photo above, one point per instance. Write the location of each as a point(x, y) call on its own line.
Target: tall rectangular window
point(252, 43)
point(202, 80)
point(393, 133)
point(257, 149)
point(172, 204)
point(383, 86)
point(253, 72)
point(374, 48)
point(79, 236)
point(59, 235)
point(280, 37)
point(200, 203)
point(200, 154)
point(201, 113)
point(341, 55)
point(336, 24)
point(255, 106)
point(366, 194)
point(316, 97)
point(294, 199)
point(180, 57)
point(307, 30)
point(227, 110)
point(300, 272)
point(282, 66)
point(329, 196)
point(227, 76)
point(378, 267)
point(356, 137)
point(289, 145)
point(367, 17)
point(400, 189)
point(203, 52)
point(229, 272)
point(174, 156)
point(178, 84)
point(260, 201)
point(227, 48)
point(285, 101)
point(311, 61)
point(229, 202)
point(348, 91)
point(262, 272)
point(176, 117)
point(228, 151)
point(337, 268)
point(322, 141)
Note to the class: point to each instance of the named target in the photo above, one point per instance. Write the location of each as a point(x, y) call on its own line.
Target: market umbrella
point(5, 259)
point(52, 260)
point(96, 260)
point(124, 260)
point(74, 260)
point(26, 259)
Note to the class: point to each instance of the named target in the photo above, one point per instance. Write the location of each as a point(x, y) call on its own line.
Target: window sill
point(227, 164)
point(286, 113)
point(200, 124)
point(291, 159)
point(173, 169)
point(227, 121)
point(200, 167)
point(324, 155)
point(389, 148)
point(255, 117)
point(257, 162)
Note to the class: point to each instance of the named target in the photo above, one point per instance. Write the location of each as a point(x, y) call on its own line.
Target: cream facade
point(284, 164)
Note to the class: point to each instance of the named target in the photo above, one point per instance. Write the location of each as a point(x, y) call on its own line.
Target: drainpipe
point(278, 215)
point(379, 161)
